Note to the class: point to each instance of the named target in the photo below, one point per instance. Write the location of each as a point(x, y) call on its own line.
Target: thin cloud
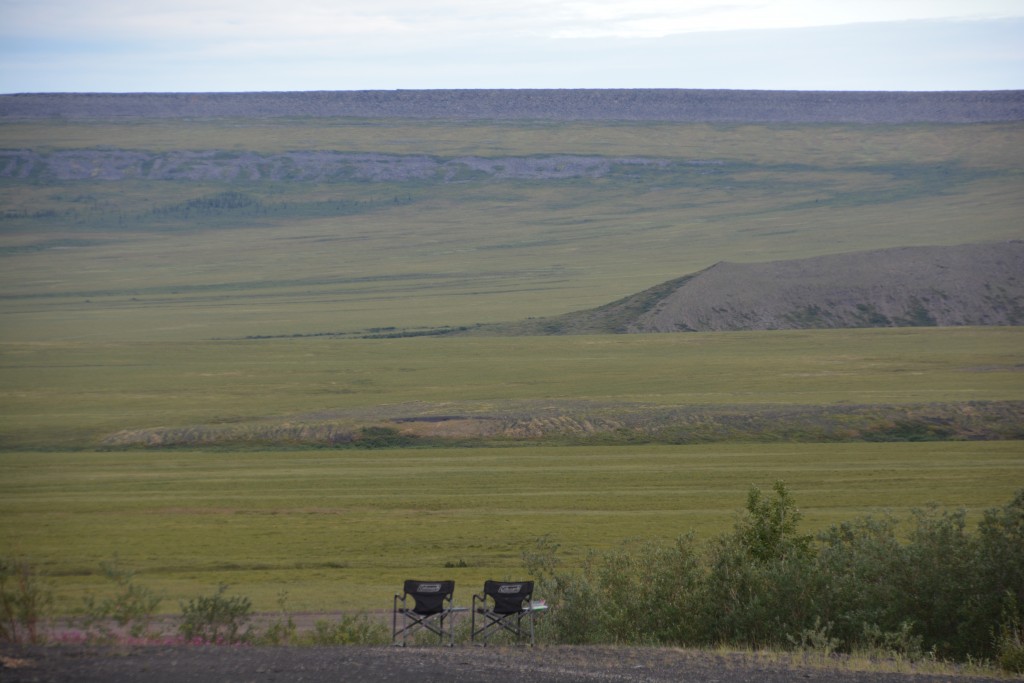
point(660, 18)
point(241, 19)
point(125, 45)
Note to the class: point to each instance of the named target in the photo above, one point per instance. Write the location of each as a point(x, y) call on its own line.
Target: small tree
point(24, 601)
point(768, 530)
point(761, 587)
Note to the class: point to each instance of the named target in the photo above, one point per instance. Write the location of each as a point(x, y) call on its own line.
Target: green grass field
point(340, 530)
point(124, 306)
point(73, 394)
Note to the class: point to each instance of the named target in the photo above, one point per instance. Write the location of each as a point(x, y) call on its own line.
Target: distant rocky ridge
point(310, 166)
point(676, 105)
point(971, 284)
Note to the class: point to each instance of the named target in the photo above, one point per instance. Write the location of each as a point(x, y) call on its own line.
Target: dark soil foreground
point(154, 664)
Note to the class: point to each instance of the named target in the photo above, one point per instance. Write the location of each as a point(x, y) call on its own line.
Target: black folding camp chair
point(431, 610)
point(502, 607)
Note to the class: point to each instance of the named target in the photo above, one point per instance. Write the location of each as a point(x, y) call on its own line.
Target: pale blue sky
point(262, 45)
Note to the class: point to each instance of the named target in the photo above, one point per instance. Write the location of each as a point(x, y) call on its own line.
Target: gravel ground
point(464, 664)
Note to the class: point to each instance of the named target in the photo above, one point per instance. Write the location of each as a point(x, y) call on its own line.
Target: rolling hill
point(972, 284)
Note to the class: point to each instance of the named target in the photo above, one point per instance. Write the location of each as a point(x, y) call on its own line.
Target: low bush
point(282, 630)
point(131, 608)
point(24, 600)
point(357, 629)
point(216, 618)
point(1010, 644)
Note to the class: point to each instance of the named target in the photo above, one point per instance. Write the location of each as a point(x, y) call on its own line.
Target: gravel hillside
point(971, 284)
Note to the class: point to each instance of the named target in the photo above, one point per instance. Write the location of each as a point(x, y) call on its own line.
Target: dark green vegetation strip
point(577, 423)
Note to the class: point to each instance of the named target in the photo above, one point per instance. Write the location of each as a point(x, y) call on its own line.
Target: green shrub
point(132, 606)
point(857, 562)
point(998, 580)
point(816, 639)
point(938, 591)
point(1010, 645)
point(356, 629)
point(936, 586)
point(899, 643)
point(282, 630)
point(761, 586)
point(568, 595)
point(768, 530)
point(216, 618)
point(24, 602)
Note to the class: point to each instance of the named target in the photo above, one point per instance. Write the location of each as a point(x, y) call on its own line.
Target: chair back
point(508, 596)
point(429, 595)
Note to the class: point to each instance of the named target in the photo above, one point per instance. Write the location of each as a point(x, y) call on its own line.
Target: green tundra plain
point(141, 304)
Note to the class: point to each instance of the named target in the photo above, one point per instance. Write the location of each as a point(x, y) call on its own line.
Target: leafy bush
point(858, 561)
point(631, 594)
point(282, 630)
point(760, 588)
point(24, 601)
point(215, 618)
point(1010, 645)
point(132, 606)
point(817, 639)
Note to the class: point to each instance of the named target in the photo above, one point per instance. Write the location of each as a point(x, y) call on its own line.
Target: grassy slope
point(471, 252)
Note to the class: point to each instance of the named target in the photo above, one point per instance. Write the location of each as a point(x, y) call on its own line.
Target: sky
point(294, 45)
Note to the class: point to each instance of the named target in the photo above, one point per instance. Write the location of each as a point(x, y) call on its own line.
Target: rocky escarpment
point(764, 106)
point(313, 166)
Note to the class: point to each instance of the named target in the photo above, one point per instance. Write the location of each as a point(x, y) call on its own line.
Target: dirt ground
point(462, 664)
